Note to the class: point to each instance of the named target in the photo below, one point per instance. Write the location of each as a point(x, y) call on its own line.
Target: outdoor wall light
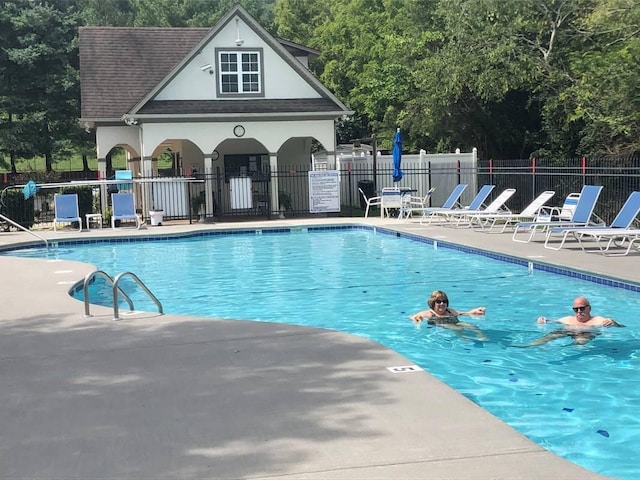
point(239, 41)
point(207, 67)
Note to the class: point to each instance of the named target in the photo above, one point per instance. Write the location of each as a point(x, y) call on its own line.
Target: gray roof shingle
point(119, 66)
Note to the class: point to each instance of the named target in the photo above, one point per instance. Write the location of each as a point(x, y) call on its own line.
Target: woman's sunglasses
point(446, 302)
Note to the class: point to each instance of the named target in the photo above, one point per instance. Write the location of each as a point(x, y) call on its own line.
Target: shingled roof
point(119, 66)
point(122, 68)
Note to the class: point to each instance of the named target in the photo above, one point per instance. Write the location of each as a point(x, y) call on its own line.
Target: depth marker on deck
point(405, 369)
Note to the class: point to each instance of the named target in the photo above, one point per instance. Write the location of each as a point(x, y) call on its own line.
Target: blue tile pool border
point(536, 265)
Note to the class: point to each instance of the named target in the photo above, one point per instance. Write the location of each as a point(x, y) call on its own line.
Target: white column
point(208, 183)
point(273, 166)
point(102, 175)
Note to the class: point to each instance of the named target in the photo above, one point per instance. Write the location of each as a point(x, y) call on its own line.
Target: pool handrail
point(117, 289)
point(20, 227)
point(85, 290)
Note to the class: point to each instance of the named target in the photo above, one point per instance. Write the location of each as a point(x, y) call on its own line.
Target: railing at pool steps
point(20, 227)
point(116, 290)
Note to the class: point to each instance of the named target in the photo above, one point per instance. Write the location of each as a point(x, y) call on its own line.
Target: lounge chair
point(123, 209)
point(487, 221)
point(475, 204)
point(624, 238)
point(452, 201)
point(582, 216)
point(459, 218)
point(66, 210)
point(370, 202)
point(623, 221)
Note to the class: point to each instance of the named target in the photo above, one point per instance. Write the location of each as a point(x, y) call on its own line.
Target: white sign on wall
point(324, 191)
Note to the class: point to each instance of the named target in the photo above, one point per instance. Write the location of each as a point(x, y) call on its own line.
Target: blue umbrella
point(397, 156)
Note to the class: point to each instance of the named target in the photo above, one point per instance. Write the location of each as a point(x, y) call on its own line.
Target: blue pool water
point(577, 401)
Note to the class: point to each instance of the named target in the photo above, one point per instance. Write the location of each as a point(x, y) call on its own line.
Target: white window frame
point(239, 73)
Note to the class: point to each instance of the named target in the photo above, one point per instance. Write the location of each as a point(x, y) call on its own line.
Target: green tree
point(40, 55)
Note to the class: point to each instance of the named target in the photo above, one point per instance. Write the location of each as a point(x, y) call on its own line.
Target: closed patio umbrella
point(397, 156)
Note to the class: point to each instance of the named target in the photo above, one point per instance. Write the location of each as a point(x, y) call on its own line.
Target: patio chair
point(124, 175)
point(582, 216)
point(475, 204)
point(487, 221)
point(123, 209)
point(370, 202)
point(412, 203)
point(391, 200)
point(66, 210)
point(623, 221)
point(463, 217)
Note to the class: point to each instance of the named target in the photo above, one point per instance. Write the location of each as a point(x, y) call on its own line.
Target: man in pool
point(442, 315)
point(582, 327)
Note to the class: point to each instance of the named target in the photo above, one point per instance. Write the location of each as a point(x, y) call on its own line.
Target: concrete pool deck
point(168, 396)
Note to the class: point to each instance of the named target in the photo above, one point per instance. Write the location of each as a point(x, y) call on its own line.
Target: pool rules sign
point(324, 191)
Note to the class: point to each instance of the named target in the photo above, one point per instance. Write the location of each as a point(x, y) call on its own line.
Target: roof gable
point(123, 69)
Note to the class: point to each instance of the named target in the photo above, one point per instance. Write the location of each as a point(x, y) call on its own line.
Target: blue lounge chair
point(123, 209)
point(475, 204)
point(582, 216)
point(623, 221)
point(66, 210)
point(452, 201)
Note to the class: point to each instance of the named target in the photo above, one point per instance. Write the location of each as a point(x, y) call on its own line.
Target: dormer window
point(240, 73)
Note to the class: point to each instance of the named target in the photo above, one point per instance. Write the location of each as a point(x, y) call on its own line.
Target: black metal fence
point(285, 192)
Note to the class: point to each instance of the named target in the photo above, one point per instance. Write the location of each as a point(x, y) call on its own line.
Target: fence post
point(350, 184)
point(533, 177)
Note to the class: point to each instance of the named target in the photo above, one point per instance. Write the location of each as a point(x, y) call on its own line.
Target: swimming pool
point(578, 402)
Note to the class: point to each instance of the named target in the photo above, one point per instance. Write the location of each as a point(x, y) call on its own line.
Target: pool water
point(579, 402)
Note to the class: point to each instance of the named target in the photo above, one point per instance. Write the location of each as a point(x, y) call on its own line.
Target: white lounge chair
point(476, 204)
point(459, 218)
point(623, 221)
point(66, 210)
point(487, 221)
point(607, 239)
point(123, 209)
point(582, 216)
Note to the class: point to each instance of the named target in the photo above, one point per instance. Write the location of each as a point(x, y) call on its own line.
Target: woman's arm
point(420, 315)
point(473, 312)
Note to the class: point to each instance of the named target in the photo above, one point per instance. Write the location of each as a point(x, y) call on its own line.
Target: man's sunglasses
point(580, 309)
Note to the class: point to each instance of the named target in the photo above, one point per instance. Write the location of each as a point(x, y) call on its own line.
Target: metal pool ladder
point(116, 290)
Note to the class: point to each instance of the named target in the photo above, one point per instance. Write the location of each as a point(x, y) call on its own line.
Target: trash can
point(367, 188)
point(156, 217)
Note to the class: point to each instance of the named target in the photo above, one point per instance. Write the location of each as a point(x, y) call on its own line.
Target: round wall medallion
point(238, 130)
point(215, 155)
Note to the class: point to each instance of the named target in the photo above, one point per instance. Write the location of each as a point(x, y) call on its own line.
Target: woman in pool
point(442, 315)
